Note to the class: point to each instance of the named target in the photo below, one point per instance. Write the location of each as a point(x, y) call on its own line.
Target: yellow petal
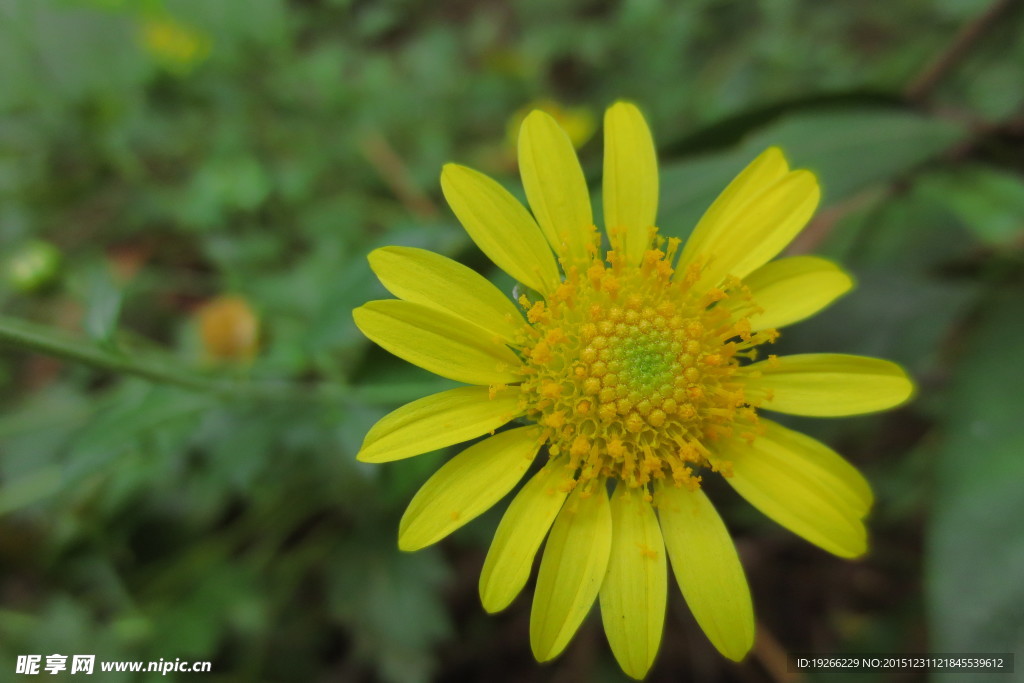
point(634, 591)
point(556, 188)
point(424, 277)
point(630, 181)
point(519, 535)
point(827, 384)
point(818, 462)
point(500, 226)
point(760, 229)
point(438, 342)
point(792, 289)
point(437, 421)
point(571, 571)
point(751, 221)
point(467, 485)
point(707, 568)
point(769, 167)
point(801, 485)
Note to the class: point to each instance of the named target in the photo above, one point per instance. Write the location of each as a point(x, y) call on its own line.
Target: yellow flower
point(634, 369)
point(178, 46)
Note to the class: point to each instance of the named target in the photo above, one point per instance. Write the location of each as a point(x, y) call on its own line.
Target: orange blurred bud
point(229, 329)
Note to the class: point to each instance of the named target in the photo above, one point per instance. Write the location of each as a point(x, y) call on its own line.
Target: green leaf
point(103, 299)
point(134, 412)
point(975, 554)
point(849, 150)
point(190, 624)
point(85, 52)
point(853, 149)
point(392, 602)
point(903, 232)
point(21, 492)
point(988, 202)
point(895, 315)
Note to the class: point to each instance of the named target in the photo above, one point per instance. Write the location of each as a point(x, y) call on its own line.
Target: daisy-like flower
point(630, 369)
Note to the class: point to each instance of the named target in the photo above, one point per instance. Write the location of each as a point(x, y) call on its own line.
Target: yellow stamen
point(632, 370)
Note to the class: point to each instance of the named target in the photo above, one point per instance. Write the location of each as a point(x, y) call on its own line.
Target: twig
point(921, 87)
point(393, 171)
point(819, 229)
point(769, 652)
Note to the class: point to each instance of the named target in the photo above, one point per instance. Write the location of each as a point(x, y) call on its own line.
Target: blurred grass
point(155, 155)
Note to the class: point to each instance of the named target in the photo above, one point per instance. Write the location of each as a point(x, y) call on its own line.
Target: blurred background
point(189, 190)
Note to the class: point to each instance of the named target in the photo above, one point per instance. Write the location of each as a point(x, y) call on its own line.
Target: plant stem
point(40, 339)
point(969, 36)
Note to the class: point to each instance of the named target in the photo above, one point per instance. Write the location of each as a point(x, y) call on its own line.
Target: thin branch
point(921, 87)
point(821, 226)
point(393, 171)
point(772, 656)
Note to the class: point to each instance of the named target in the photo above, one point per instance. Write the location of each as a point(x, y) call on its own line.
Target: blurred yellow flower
point(229, 329)
point(579, 123)
point(635, 368)
point(176, 45)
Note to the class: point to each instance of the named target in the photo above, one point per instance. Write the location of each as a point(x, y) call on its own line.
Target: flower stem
point(41, 339)
point(33, 337)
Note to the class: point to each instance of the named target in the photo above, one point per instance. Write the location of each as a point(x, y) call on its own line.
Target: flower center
point(631, 372)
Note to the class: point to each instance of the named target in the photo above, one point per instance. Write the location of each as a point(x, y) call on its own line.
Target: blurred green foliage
point(155, 154)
